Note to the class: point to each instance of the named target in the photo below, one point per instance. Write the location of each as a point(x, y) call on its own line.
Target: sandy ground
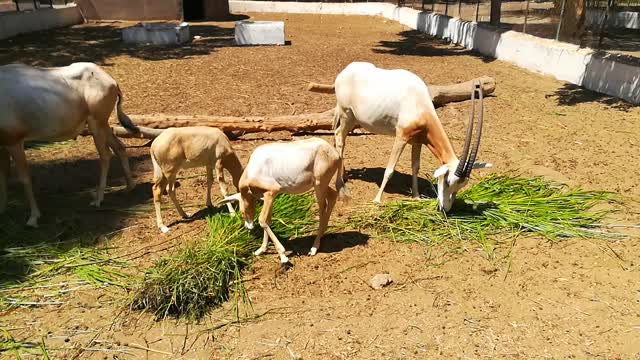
point(531, 299)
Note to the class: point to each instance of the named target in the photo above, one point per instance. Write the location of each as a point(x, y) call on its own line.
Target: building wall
point(23, 22)
point(131, 9)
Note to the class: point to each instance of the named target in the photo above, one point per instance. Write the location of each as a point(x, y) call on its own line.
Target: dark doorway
point(193, 10)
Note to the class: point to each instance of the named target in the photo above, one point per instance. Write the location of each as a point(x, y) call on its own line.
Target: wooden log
point(151, 125)
point(440, 94)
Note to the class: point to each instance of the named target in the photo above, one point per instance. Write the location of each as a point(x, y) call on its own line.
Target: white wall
point(621, 19)
point(561, 60)
point(22, 22)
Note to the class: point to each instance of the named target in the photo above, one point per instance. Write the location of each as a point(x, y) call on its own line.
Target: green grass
point(11, 346)
point(497, 206)
point(201, 275)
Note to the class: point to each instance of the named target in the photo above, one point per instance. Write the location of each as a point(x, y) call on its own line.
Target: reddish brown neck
point(437, 141)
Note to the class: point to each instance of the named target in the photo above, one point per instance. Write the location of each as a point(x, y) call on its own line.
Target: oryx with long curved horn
point(398, 103)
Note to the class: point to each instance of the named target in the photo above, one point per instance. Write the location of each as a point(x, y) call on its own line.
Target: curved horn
point(476, 145)
point(460, 170)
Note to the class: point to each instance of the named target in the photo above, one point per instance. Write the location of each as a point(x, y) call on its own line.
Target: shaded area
point(571, 95)
point(331, 242)
point(63, 190)
point(416, 43)
point(98, 42)
point(398, 184)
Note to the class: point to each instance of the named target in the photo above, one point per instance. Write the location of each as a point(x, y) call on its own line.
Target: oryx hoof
point(164, 229)
point(259, 252)
point(313, 251)
point(33, 222)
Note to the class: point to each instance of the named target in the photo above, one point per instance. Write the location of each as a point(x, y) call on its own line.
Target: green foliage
point(497, 205)
point(201, 275)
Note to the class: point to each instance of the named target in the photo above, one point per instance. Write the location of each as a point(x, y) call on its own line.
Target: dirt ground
point(531, 299)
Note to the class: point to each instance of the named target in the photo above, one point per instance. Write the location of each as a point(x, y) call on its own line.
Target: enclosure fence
point(30, 5)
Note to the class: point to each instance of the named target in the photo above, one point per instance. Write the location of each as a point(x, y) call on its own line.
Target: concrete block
point(157, 33)
point(259, 32)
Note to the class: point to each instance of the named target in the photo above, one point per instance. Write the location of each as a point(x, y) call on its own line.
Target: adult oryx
point(398, 103)
point(54, 104)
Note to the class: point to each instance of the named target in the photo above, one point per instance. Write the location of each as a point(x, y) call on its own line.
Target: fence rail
point(29, 5)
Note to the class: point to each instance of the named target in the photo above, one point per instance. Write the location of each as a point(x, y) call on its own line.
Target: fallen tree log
point(151, 125)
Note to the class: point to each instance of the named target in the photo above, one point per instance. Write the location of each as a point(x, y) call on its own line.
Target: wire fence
point(30, 5)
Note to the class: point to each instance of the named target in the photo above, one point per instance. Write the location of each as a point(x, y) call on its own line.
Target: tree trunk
point(495, 12)
point(151, 125)
point(573, 20)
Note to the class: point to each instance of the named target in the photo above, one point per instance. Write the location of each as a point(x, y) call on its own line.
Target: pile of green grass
point(200, 276)
point(497, 205)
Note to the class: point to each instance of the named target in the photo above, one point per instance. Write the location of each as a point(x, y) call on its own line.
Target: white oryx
point(398, 103)
point(189, 147)
point(294, 168)
point(55, 104)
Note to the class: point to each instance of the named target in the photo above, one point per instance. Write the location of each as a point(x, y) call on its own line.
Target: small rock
point(381, 280)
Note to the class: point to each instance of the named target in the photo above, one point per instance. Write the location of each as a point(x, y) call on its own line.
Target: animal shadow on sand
point(398, 184)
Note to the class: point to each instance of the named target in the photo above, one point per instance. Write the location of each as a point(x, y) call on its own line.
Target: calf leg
point(172, 195)
point(4, 174)
point(100, 137)
point(158, 187)
point(263, 247)
point(396, 151)
point(209, 182)
point(415, 168)
point(22, 170)
point(265, 221)
point(118, 147)
point(326, 201)
point(223, 185)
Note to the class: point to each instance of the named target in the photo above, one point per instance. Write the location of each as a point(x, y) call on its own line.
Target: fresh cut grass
point(205, 273)
point(497, 205)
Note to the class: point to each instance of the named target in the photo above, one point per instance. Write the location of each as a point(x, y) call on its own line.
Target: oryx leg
point(118, 147)
point(209, 183)
point(263, 247)
point(326, 202)
point(223, 185)
point(415, 168)
point(100, 133)
point(344, 122)
point(158, 187)
point(172, 194)
point(4, 175)
point(396, 151)
point(265, 222)
point(22, 170)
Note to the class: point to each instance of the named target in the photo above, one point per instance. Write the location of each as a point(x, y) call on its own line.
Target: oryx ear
point(230, 199)
point(482, 165)
point(442, 170)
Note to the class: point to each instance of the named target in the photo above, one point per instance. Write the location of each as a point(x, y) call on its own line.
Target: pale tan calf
point(189, 147)
point(55, 104)
point(294, 168)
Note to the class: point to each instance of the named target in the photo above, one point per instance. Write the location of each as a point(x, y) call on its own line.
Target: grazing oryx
point(293, 168)
point(55, 104)
point(398, 103)
point(189, 147)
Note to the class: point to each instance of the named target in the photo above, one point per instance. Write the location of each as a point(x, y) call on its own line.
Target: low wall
point(621, 19)
point(568, 62)
point(131, 9)
point(22, 22)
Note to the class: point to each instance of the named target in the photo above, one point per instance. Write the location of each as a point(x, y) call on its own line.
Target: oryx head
point(247, 202)
point(454, 176)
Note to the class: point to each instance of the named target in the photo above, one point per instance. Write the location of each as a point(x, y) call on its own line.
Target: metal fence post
point(433, 5)
point(477, 9)
point(561, 17)
point(446, 7)
point(460, 9)
point(35, 4)
point(526, 15)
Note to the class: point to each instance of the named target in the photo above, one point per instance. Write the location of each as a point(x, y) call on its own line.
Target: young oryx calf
point(293, 168)
point(188, 147)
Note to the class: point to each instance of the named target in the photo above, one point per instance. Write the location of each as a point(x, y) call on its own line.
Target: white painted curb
point(22, 22)
point(563, 61)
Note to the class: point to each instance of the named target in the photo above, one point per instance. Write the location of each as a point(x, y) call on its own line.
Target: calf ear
point(482, 165)
point(442, 170)
point(230, 199)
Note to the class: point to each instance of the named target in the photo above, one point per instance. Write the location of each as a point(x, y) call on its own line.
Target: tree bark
point(151, 125)
point(494, 18)
point(573, 20)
